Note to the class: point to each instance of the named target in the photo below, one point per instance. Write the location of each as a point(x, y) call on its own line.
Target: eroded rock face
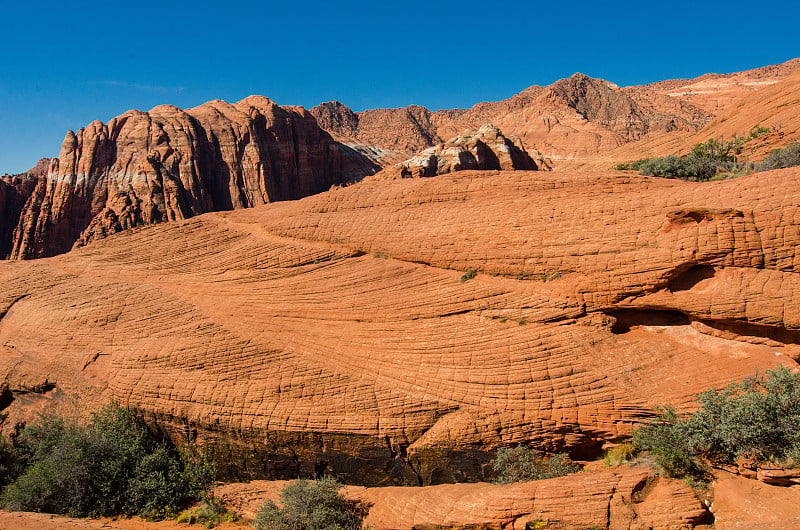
point(484, 149)
point(167, 164)
point(340, 333)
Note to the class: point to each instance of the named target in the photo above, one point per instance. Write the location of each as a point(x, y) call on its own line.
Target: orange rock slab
point(339, 333)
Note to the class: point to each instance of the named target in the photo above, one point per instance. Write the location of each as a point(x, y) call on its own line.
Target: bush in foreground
point(522, 463)
point(114, 465)
point(311, 505)
point(758, 418)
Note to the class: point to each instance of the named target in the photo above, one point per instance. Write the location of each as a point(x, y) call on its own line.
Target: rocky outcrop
point(615, 499)
point(397, 331)
point(168, 164)
point(484, 149)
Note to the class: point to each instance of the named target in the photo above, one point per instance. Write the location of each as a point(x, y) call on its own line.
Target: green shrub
point(789, 156)
point(113, 465)
point(668, 440)
point(701, 164)
point(12, 463)
point(522, 463)
point(758, 418)
point(311, 505)
point(209, 514)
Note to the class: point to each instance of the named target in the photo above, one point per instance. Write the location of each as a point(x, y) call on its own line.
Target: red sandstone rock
point(334, 333)
point(170, 164)
point(742, 503)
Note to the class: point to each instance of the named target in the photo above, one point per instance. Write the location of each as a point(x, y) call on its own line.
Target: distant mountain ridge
point(571, 119)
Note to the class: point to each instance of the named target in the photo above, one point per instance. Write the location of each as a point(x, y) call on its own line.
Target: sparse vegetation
point(522, 463)
point(705, 161)
point(468, 275)
point(209, 513)
point(311, 505)
point(113, 465)
point(758, 418)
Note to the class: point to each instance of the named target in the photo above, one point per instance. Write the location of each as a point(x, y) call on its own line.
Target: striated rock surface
point(398, 331)
point(484, 149)
point(167, 164)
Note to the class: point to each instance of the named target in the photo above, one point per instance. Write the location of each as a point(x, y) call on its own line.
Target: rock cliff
point(397, 331)
point(168, 164)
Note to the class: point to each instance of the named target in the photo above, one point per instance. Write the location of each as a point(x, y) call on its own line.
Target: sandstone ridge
point(570, 120)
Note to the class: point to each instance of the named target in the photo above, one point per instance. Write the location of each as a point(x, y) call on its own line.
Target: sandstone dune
point(340, 333)
point(484, 149)
point(580, 119)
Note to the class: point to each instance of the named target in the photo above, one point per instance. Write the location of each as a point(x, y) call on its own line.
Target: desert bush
point(789, 156)
point(311, 505)
point(113, 465)
point(209, 513)
point(758, 418)
point(618, 455)
point(522, 463)
point(668, 440)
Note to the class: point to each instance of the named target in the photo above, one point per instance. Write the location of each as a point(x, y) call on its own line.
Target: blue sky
point(64, 64)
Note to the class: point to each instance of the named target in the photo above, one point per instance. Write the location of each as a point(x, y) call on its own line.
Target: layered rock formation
point(397, 331)
point(168, 164)
point(484, 149)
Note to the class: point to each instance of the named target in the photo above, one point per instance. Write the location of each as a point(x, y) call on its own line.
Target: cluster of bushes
point(708, 159)
point(311, 505)
point(113, 465)
point(701, 164)
point(758, 419)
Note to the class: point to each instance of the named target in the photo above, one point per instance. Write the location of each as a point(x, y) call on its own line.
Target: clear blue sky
point(64, 64)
